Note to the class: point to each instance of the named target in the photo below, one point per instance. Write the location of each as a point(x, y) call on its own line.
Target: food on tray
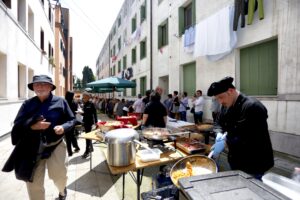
point(156, 133)
point(192, 145)
point(188, 171)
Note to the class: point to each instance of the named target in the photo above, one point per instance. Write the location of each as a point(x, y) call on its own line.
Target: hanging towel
point(214, 36)
point(187, 49)
point(189, 36)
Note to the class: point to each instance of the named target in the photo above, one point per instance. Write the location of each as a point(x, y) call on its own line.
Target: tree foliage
point(87, 76)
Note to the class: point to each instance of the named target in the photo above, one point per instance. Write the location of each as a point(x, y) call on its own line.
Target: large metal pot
point(120, 146)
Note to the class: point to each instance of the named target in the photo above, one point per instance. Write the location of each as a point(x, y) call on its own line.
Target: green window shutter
point(194, 11)
point(124, 62)
point(259, 69)
point(189, 78)
point(119, 66)
point(143, 12)
point(181, 21)
point(133, 56)
point(142, 49)
point(167, 33)
point(159, 38)
point(119, 43)
point(133, 24)
point(133, 90)
point(143, 85)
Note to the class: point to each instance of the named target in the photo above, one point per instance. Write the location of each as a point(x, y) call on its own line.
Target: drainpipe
point(151, 65)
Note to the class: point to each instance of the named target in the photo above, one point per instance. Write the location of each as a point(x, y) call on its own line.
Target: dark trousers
point(198, 117)
point(89, 145)
point(71, 140)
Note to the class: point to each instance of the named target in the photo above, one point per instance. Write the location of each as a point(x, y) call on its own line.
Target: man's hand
point(59, 130)
point(40, 125)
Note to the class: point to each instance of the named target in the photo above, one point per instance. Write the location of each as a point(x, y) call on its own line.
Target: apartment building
point(27, 48)
point(150, 43)
point(63, 53)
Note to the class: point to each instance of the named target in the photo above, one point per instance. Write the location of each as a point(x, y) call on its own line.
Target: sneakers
point(85, 155)
point(63, 197)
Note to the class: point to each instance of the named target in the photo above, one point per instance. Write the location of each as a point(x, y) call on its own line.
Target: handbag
point(187, 108)
point(193, 110)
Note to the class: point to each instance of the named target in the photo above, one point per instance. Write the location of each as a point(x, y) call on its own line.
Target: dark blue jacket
point(27, 142)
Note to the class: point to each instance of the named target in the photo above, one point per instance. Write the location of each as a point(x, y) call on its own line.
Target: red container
point(128, 120)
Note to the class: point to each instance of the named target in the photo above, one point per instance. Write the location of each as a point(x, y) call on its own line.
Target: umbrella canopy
point(103, 90)
point(112, 82)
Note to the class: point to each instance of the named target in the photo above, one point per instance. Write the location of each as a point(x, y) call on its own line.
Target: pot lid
point(121, 135)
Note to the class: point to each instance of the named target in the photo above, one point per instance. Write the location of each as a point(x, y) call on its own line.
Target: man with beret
point(244, 121)
point(37, 134)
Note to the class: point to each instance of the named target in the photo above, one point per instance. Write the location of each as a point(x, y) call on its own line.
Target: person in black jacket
point(155, 114)
point(70, 136)
point(37, 134)
point(89, 119)
point(245, 121)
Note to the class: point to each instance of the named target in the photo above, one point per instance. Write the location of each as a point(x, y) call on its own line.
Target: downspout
point(151, 65)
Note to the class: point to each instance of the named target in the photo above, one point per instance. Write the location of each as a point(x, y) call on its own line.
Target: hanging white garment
point(214, 36)
point(187, 49)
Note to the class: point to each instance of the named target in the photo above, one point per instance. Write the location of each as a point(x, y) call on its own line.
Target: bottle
point(296, 174)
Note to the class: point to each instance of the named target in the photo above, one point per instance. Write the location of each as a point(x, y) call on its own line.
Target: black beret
point(220, 86)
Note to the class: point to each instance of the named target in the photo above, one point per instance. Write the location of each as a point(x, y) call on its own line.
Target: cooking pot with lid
point(121, 149)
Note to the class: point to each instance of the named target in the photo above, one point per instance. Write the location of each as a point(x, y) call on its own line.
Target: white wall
point(19, 48)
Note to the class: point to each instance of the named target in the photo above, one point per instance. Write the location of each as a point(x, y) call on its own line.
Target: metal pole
point(151, 38)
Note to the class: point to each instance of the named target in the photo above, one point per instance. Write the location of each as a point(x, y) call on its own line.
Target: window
point(50, 14)
point(124, 62)
point(119, 66)
point(187, 16)
point(30, 23)
point(119, 22)
point(143, 49)
point(259, 69)
point(159, 1)
point(3, 77)
point(119, 43)
point(163, 34)
point(143, 85)
point(42, 40)
point(7, 3)
point(114, 50)
point(22, 13)
point(114, 70)
point(133, 90)
point(21, 81)
point(133, 56)
point(143, 12)
point(133, 24)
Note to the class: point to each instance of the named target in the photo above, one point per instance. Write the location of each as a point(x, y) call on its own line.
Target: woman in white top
point(198, 103)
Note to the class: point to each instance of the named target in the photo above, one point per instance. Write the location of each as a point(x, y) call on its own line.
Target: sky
point(90, 24)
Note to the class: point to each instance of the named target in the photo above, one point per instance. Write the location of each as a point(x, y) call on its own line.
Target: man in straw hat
point(245, 121)
point(37, 134)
